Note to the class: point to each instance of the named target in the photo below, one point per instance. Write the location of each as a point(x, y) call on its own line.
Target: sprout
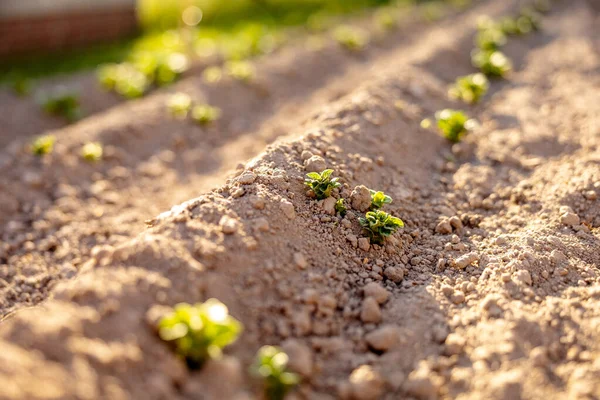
point(22, 86)
point(470, 88)
point(199, 332)
point(491, 63)
point(453, 124)
point(43, 145)
point(241, 70)
point(379, 199)
point(271, 365)
point(490, 38)
point(385, 19)
point(212, 74)
point(63, 103)
point(379, 225)
point(168, 68)
point(352, 38)
point(92, 151)
point(340, 207)
point(179, 105)
point(321, 184)
point(205, 114)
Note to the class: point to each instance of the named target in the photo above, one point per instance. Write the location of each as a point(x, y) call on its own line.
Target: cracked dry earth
point(491, 291)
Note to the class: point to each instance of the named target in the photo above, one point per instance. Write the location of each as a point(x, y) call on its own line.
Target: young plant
point(271, 365)
point(179, 105)
point(212, 74)
point(453, 124)
point(379, 225)
point(470, 88)
point(340, 207)
point(352, 38)
point(379, 199)
point(241, 70)
point(491, 38)
point(43, 145)
point(491, 63)
point(385, 19)
point(92, 152)
point(199, 332)
point(321, 184)
point(22, 86)
point(205, 114)
point(63, 103)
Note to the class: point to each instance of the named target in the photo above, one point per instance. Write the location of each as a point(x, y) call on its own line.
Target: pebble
point(370, 311)
point(288, 209)
point(524, 277)
point(300, 260)
point(569, 219)
point(247, 178)
point(454, 344)
point(364, 244)
point(353, 240)
point(315, 164)
point(376, 291)
point(366, 384)
point(444, 227)
point(384, 338)
point(261, 224)
point(590, 195)
point(328, 205)
point(395, 274)
point(360, 198)
point(457, 297)
point(466, 260)
point(456, 223)
point(228, 225)
point(300, 357)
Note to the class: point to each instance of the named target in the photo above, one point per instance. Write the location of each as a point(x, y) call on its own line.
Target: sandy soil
point(490, 291)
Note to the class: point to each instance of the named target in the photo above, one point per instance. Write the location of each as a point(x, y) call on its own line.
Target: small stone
point(329, 205)
point(288, 209)
point(395, 274)
point(315, 164)
point(569, 219)
point(228, 225)
point(523, 276)
point(456, 223)
point(443, 228)
point(590, 195)
point(447, 290)
point(366, 383)
point(306, 155)
point(300, 357)
point(364, 244)
point(501, 240)
point(247, 178)
point(376, 291)
point(454, 344)
point(360, 198)
point(384, 338)
point(457, 297)
point(237, 193)
point(258, 203)
point(466, 260)
point(420, 384)
point(539, 356)
point(300, 260)
point(261, 224)
point(353, 240)
point(370, 311)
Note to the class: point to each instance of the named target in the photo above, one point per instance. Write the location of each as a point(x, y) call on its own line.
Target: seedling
point(63, 103)
point(470, 88)
point(22, 86)
point(490, 38)
point(491, 63)
point(321, 184)
point(205, 114)
point(199, 332)
point(340, 207)
point(43, 145)
point(168, 68)
point(179, 105)
point(379, 225)
point(241, 70)
point(212, 74)
point(529, 20)
point(271, 365)
point(92, 151)
point(453, 124)
point(352, 38)
point(385, 19)
point(379, 199)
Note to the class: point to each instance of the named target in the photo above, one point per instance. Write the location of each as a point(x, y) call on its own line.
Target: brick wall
point(23, 32)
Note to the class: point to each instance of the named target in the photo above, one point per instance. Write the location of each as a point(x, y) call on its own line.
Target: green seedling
point(169, 68)
point(340, 207)
point(470, 88)
point(179, 105)
point(125, 79)
point(321, 184)
point(92, 152)
point(352, 38)
point(379, 225)
point(385, 19)
point(22, 86)
point(529, 20)
point(271, 366)
point(490, 38)
point(379, 199)
point(491, 63)
point(212, 74)
point(63, 103)
point(199, 332)
point(205, 114)
point(241, 70)
point(454, 124)
point(43, 145)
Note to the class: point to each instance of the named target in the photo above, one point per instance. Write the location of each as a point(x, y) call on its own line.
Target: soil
point(491, 290)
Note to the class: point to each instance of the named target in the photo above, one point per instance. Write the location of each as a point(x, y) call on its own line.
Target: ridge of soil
point(490, 291)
